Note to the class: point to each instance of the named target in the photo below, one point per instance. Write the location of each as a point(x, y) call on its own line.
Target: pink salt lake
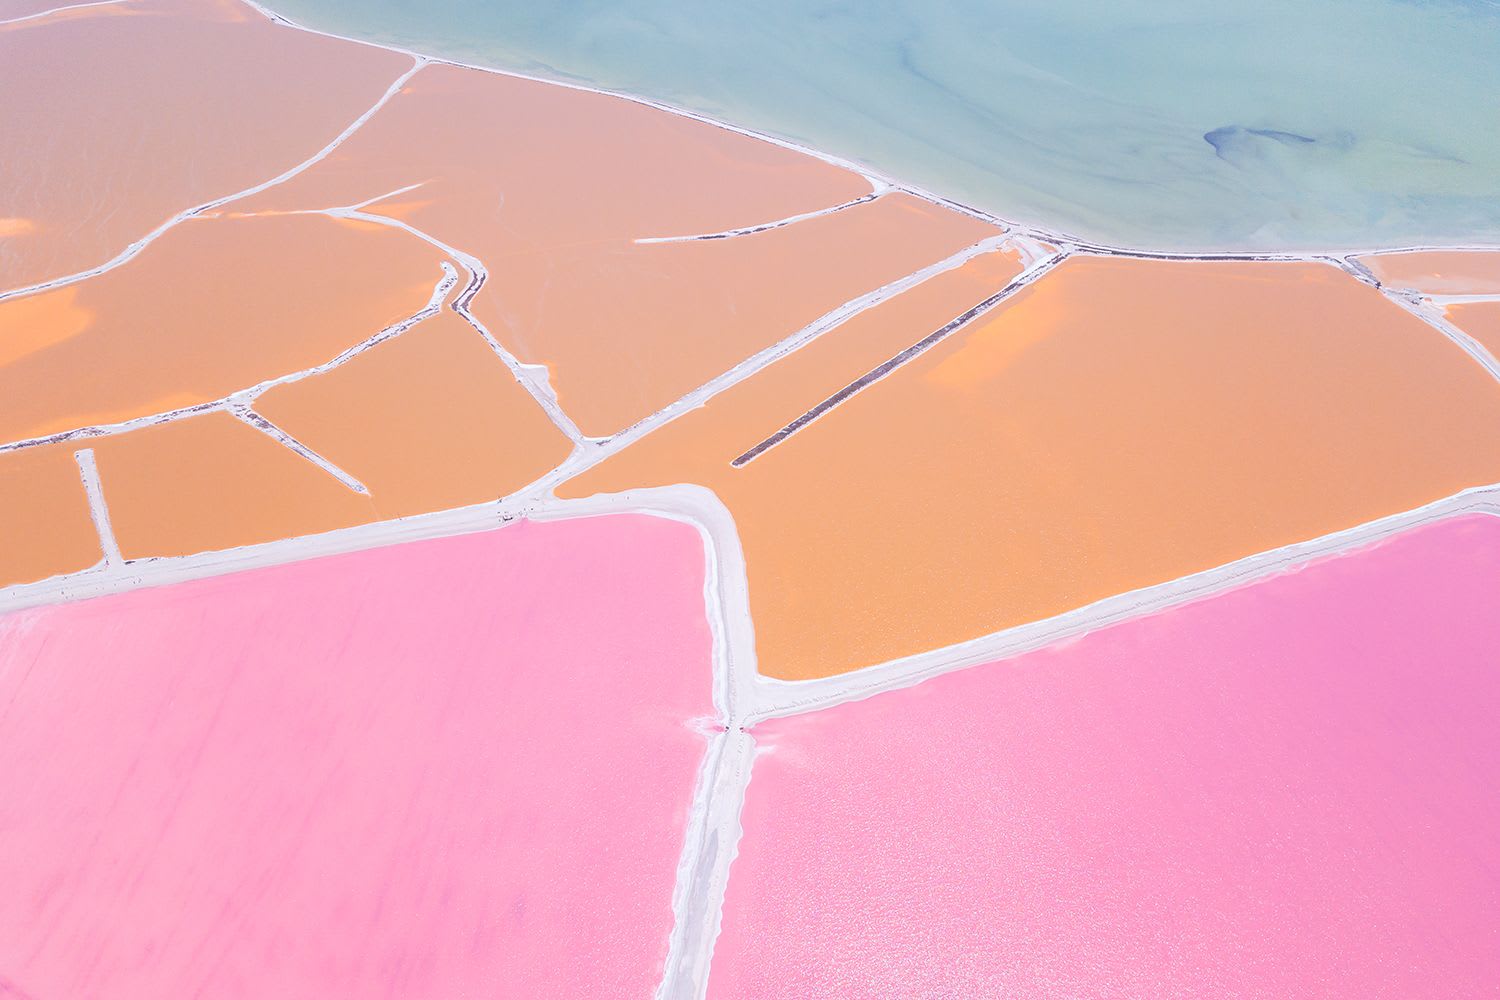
point(450, 768)
point(1285, 791)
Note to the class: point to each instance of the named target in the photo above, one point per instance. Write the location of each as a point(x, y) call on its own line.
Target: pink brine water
point(450, 768)
point(1289, 790)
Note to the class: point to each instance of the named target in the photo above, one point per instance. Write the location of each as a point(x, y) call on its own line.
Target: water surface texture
point(1176, 124)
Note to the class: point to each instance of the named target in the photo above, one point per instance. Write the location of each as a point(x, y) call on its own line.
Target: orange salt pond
point(182, 102)
point(213, 307)
point(527, 165)
point(212, 482)
point(45, 527)
point(1118, 424)
point(1480, 320)
point(692, 448)
point(16, 15)
point(551, 188)
point(626, 330)
point(1438, 271)
point(430, 420)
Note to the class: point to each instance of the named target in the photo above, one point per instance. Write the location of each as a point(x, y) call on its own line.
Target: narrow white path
point(382, 197)
point(763, 227)
point(534, 378)
point(1424, 309)
point(98, 510)
point(713, 837)
point(888, 367)
point(246, 396)
point(594, 451)
point(1434, 317)
point(134, 249)
point(1458, 300)
point(247, 416)
point(58, 10)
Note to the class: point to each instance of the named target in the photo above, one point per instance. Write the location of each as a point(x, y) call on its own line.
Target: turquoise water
point(1172, 123)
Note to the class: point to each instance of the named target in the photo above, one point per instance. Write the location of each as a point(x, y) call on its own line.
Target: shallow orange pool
point(213, 307)
point(551, 189)
point(1120, 423)
point(46, 529)
point(1438, 271)
point(212, 482)
point(149, 108)
point(430, 420)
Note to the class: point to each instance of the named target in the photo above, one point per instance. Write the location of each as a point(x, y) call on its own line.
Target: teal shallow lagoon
point(1179, 124)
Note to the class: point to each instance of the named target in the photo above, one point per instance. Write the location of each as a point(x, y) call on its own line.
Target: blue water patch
point(1229, 140)
point(1185, 124)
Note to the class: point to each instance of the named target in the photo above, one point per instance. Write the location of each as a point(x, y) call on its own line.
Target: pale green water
point(1376, 122)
